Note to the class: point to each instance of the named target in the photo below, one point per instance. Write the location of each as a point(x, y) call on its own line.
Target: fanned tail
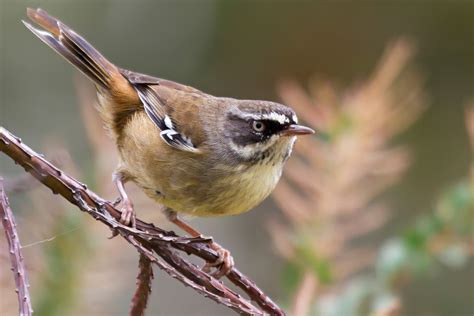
point(75, 49)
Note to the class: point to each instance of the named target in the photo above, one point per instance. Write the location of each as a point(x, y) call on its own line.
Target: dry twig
point(16, 258)
point(158, 245)
point(144, 279)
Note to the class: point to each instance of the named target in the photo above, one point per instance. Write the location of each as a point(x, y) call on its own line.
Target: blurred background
point(375, 213)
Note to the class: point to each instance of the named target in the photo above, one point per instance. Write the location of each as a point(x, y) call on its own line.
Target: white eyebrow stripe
point(295, 118)
point(280, 118)
point(272, 116)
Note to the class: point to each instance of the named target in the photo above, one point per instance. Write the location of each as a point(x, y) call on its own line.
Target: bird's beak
point(294, 130)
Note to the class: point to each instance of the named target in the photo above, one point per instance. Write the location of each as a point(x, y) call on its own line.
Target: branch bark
point(144, 279)
point(163, 248)
point(16, 258)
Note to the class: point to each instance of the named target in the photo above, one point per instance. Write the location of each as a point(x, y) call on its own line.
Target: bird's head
point(261, 131)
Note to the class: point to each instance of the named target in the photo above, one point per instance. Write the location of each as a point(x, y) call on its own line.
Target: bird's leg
point(224, 263)
point(128, 214)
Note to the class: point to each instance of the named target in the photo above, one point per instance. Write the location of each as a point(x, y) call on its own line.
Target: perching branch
point(16, 258)
point(163, 248)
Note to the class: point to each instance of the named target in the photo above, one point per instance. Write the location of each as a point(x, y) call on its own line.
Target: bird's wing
point(157, 108)
point(138, 78)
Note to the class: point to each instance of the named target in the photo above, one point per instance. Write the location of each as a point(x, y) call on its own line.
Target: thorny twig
point(25, 182)
point(144, 279)
point(158, 245)
point(16, 258)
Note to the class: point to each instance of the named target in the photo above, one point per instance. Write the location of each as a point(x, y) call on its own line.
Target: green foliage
point(439, 237)
point(311, 261)
point(291, 277)
point(393, 258)
point(359, 298)
point(344, 125)
point(436, 238)
point(454, 256)
point(456, 209)
point(308, 260)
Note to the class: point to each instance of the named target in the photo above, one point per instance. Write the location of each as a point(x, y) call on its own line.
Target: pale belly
point(230, 195)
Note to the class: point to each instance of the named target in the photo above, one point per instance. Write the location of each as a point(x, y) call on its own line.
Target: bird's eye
point(258, 126)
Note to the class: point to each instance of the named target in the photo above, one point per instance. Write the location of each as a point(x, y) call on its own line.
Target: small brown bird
point(190, 151)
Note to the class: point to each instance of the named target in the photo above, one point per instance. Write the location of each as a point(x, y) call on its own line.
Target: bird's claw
point(223, 264)
point(127, 217)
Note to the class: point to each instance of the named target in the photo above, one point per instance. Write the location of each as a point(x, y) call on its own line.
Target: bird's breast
point(235, 191)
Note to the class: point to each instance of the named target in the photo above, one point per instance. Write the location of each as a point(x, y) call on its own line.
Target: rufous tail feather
point(75, 49)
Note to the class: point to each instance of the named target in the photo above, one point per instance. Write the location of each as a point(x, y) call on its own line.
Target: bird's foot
point(127, 217)
point(225, 261)
point(223, 264)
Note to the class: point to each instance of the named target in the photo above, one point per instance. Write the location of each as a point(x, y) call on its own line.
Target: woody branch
point(163, 248)
point(16, 257)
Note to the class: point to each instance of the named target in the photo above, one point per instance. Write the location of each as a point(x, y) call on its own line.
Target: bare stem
point(16, 258)
point(144, 279)
point(305, 295)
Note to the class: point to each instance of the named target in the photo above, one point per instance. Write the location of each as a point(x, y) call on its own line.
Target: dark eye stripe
point(242, 132)
point(273, 127)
